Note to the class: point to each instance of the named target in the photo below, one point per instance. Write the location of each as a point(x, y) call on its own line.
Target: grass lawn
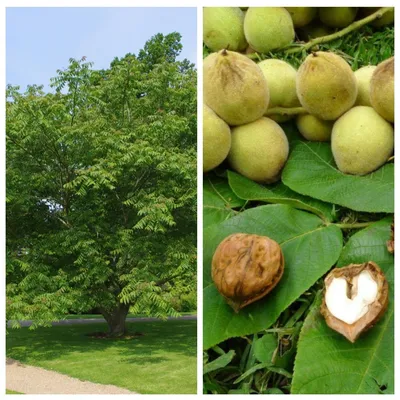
point(12, 392)
point(163, 361)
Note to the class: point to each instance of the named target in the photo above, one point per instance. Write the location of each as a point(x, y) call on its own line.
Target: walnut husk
point(246, 267)
point(375, 310)
point(390, 243)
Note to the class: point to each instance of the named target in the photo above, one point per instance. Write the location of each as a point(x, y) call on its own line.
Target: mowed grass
point(162, 361)
point(12, 392)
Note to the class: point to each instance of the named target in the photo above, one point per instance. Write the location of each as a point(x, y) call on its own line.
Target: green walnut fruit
point(362, 141)
point(382, 89)
point(314, 30)
point(326, 85)
point(302, 16)
point(216, 139)
point(268, 28)
point(223, 28)
point(363, 76)
point(386, 19)
point(337, 17)
point(313, 128)
point(234, 87)
point(281, 81)
point(259, 150)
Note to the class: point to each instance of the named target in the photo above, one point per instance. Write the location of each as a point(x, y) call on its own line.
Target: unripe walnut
point(246, 267)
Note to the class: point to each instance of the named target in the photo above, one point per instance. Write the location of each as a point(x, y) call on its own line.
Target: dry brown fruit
point(246, 267)
point(355, 298)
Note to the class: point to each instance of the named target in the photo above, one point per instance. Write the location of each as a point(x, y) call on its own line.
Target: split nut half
point(355, 298)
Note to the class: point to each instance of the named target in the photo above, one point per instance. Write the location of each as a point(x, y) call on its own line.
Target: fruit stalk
point(352, 27)
point(324, 39)
point(355, 225)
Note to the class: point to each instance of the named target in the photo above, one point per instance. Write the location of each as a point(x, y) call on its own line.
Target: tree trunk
point(116, 319)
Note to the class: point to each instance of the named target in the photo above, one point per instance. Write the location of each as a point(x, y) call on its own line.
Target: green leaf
point(328, 363)
point(272, 391)
point(218, 201)
point(281, 371)
point(220, 362)
point(242, 390)
point(251, 371)
point(264, 348)
point(298, 233)
point(278, 193)
point(311, 171)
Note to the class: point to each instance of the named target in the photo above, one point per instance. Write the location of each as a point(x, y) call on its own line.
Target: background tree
point(101, 188)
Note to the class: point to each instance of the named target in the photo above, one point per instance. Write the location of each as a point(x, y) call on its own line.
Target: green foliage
point(219, 202)
point(101, 186)
point(278, 193)
point(220, 362)
point(181, 295)
point(311, 171)
point(365, 46)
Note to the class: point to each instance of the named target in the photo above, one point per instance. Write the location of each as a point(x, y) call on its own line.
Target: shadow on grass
point(159, 340)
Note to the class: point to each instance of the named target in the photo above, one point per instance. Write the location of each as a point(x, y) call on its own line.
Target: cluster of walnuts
point(245, 101)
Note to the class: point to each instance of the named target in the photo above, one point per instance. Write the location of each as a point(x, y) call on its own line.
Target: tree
point(101, 188)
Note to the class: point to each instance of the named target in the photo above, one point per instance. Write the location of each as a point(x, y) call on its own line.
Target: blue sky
point(41, 40)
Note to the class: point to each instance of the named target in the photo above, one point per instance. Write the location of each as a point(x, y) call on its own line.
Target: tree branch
point(166, 280)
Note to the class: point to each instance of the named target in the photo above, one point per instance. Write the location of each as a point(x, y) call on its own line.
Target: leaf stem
point(354, 225)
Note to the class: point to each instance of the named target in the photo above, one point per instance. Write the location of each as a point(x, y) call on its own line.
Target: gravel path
point(34, 380)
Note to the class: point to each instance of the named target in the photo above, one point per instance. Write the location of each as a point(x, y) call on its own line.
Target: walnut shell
point(246, 267)
point(375, 310)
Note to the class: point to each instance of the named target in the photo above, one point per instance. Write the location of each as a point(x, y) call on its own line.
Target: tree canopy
point(101, 188)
